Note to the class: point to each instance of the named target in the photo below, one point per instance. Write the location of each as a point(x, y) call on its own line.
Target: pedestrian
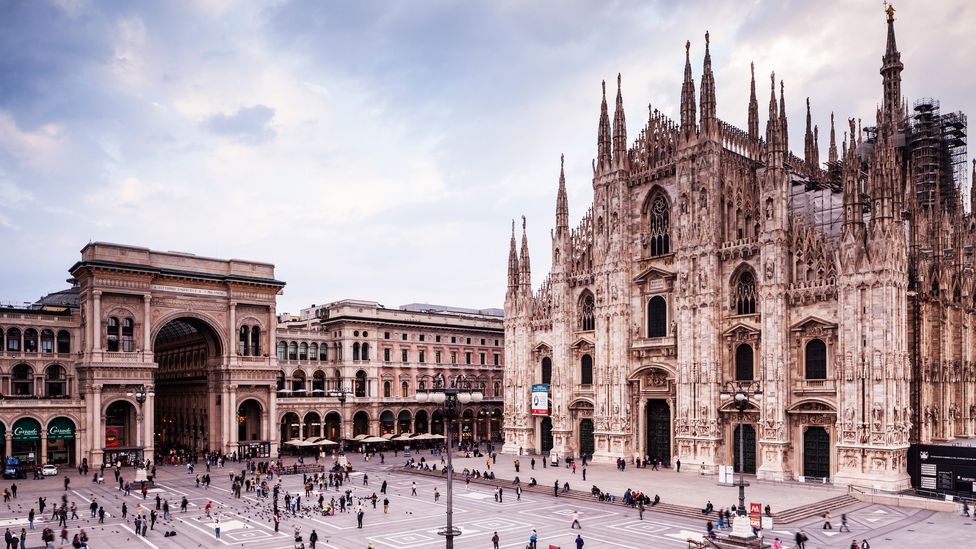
point(277, 520)
point(312, 538)
point(494, 537)
point(138, 524)
point(30, 518)
point(826, 519)
point(518, 493)
point(386, 505)
point(640, 509)
point(153, 515)
point(777, 544)
point(677, 463)
point(365, 480)
point(359, 516)
point(93, 508)
point(555, 489)
point(413, 488)
point(865, 544)
point(217, 527)
point(499, 494)
point(854, 544)
point(801, 539)
point(159, 502)
point(579, 541)
point(145, 525)
point(13, 487)
point(383, 487)
point(183, 503)
point(101, 515)
point(576, 522)
point(584, 473)
point(125, 510)
point(533, 539)
point(843, 523)
point(23, 538)
point(532, 464)
point(437, 495)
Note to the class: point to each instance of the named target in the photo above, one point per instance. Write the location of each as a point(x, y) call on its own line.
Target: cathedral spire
point(688, 131)
point(782, 117)
point(619, 128)
point(753, 105)
point(562, 202)
point(853, 209)
point(709, 122)
point(513, 263)
point(816, 146)
point(891, 68)
point(832, 151)
point(603, 143)
point(525, 270)
point(774, 130)
point(808, 155)
point(972, 190)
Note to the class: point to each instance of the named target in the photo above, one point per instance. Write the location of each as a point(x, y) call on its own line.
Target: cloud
point(248, 124)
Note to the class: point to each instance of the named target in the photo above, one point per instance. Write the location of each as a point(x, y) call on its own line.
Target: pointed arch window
point(547, 370)
point(586, 370)
point(743, 363)
point(815, 359)
point(744, 294)
point(659, 226)
point(586, 319)
point(657, 317)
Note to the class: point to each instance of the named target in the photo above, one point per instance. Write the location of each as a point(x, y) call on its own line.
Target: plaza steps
point(785, 517)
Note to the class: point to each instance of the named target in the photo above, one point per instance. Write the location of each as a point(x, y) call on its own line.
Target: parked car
point(49, 470)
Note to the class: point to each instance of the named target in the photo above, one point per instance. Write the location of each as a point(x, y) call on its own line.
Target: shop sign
point(27, 429)
point(61, 429)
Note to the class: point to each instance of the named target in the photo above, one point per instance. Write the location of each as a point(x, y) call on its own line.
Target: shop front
point(26, 441)
point(254, 449)
point(61, 441)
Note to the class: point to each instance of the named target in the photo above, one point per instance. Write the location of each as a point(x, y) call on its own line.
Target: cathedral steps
point(788, 516)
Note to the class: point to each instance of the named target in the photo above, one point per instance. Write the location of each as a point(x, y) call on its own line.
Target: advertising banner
point(540, 399)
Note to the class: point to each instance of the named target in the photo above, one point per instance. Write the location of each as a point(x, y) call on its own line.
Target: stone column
point(232, 326)
point(233, 419)
point(146, 322)
point(43, 447)
point(149, 422)
point(95, 423)
point(97, 321)
point(273, 426)
point(139, 428)
point(8, 443)
point(224, 419)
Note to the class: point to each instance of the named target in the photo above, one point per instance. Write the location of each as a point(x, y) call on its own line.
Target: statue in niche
point(877, 414)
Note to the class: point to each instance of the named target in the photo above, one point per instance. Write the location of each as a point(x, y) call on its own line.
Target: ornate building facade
point(711, 254)
point(152, 351)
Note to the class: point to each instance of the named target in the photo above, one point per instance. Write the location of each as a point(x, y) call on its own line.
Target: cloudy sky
point(379, 150)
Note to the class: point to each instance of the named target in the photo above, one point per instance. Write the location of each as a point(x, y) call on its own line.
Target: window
point(453, 357)
point(30, 340)
point(293, 351)
point(13, 340)
point(403, 356)
point(437, 357)
point(128, 339)
point(421, 337)
point(387, 389)
point(112, 335)
point(468, 341)
point(585, 319)
point(303, 351)
point(657, 317)
point(586, 370)
point(355, 351)
point(318, 382)
point(744, 295)
point(481, 358)
point(404, 337)
point(360, 388)
point(22, 380)
point(437, 339)
point(337, 379)
point(366, 351)
point(422, 357)
point(386, 335)
point(546, 370)
point(404, 389)
point(453, 339)
point(298, 381)
point(497, 389)
point(496, 359)
point(496, 343)
point(281, 381)
point(282, 350)
point(482, 341)
point(323, 352)
point(55, 381)
point(64, 342)
point(255, 341)
point(816, 359)
point(743, 363)
point(47, 342)
point(659, 226)
point(386, 355)
point(242, 346)
point(313, 351)
point(467, 358)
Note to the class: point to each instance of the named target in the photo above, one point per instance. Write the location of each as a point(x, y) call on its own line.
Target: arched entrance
point(290, 427)
point(360, 423)
point(249, 429)
point(816, 452)
point(61, 433)
point(749, 438)
point(312, 425)
point(420, 424)
point(26, 440)
point(586, 443)
point(386, 422)
point(333, 426)
point(437, 423)
point(403, 422)
point(659, 430)
point(188, 353)
point(121, 434)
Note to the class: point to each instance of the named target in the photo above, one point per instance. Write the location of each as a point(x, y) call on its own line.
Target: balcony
point(814, 387)
point(648, 347)
point(743, 248)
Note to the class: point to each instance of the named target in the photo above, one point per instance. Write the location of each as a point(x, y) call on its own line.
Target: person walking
point(413, 488)
point(518, 493)
point(533, 540)
point(826, 519)
point(801, 540)
point(576, 522)
point(865, 544)
point(312, 539)
point(584, 473)
point(579, 541)
point(494, 538)
point(383, 487)
point(555, 489)
point(360, 513)
point(30, 518)
point(843, 523)
point(183, 503)
point(640, 509)
point(386, 505)
point(125, 510)
point(500, 492)
point(677, 463)
point(101, 515)
point(217, 527)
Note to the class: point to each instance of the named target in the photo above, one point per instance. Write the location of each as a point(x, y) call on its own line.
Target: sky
point(380, 150)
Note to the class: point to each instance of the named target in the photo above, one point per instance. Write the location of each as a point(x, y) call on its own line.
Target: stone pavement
point(686, 488)
point(413, 521)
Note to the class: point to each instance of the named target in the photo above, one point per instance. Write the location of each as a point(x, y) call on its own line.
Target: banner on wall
point(540, 399)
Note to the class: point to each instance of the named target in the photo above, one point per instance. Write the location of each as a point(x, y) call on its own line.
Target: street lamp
point(139, 392)
point(450, 395)
point(741, 392)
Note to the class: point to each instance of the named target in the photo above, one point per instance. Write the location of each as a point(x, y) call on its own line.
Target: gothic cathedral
point(845, 289)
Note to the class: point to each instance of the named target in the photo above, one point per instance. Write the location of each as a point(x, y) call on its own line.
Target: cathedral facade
point(712, 254)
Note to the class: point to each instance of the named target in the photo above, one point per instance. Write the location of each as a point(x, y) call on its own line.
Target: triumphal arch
point(174, 353)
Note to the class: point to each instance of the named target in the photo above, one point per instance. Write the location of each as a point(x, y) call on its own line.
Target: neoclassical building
point(711, 254)
point(150, 351)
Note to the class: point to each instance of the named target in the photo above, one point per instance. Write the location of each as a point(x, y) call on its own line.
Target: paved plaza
point(413, 521)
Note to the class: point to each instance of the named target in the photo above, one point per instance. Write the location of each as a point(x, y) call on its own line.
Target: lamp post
point(450, 395)
point(342, 393)
point(741, 392)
